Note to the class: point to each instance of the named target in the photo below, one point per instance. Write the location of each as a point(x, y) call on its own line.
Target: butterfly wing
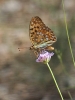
point(35, 27)
point(41, 36)
point(40, 33)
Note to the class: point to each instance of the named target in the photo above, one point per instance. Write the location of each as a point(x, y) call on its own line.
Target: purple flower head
point(44, 57)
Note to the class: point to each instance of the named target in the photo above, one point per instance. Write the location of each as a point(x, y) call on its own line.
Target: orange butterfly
point(41, 36)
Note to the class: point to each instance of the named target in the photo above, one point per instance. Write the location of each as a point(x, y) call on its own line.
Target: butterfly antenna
point(22, 48)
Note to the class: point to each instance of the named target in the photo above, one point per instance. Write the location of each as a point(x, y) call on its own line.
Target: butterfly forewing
point(40, 35)
point(36, 25)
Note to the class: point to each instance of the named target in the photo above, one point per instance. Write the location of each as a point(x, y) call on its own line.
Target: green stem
point(68, 34)
point(70, 95)
point(55, 81)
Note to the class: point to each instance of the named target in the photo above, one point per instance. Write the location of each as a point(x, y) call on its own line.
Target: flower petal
point(44, 57)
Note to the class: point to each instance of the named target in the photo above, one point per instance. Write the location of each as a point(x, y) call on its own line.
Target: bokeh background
point(21, 78)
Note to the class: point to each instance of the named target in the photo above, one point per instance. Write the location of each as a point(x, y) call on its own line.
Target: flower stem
point(55, 81)
point(70, 95)
point(68, 33)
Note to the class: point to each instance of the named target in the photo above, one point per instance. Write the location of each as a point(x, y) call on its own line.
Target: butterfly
point(41, 36)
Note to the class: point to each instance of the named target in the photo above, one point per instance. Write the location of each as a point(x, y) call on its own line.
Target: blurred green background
point(21, 78)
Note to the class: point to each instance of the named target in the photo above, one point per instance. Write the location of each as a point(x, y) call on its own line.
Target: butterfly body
point(41, 36)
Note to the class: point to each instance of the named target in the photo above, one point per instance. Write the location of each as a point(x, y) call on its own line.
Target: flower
point(44, 57)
